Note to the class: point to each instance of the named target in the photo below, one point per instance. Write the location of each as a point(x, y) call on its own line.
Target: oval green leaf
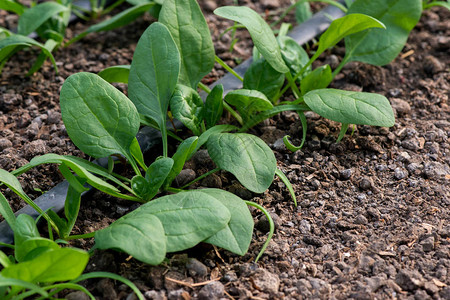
point(187, 106)
point(320, 78)
point(345, 26)
point(351, 107)
point(54, 265)
point(34, 245)
point(99, 119)
point(139, 234)
point(189, 29)
point(187, 217)
point(154, 73)
point(245, 156)
point(248, 102)
point(34, 17)
point(237, 235)
point(116, 74)
point(262, 77)
point(379, 47)
point(213, 106)
point(293, 54)
point(260, 32)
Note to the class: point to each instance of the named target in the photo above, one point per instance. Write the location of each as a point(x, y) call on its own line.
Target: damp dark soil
point(373, 217)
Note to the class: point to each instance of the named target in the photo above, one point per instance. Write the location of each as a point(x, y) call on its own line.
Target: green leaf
point(437, 3)
point(379, 47)
point(215, 129)
point(5, 209)
point(213, 106)
point(293, 54)
point(248, 102)
point(116, 74)
point(320, 78)
point(351, 107)
point(184, 151)
point(157, 173)
point(99, 119)
point(262, 77)
point(288, 184)
point(236, 237)
point(187, 106)
point(245, 156)
point(80, 166)
point(5, 282)
point(33, 247)
point(303, 12)
point(260, 32)
point(54, 265)
point(13, 183)
point(154, 74)
point(12, 6)
point(24, 230)
point(34, 17)
point(127, 16)
point(136, 152)
point(138, 233)
point(188, 217)
point(72, 206)
point(189, 29)
point(345, 26)
point(121, 19)
point(13, 43)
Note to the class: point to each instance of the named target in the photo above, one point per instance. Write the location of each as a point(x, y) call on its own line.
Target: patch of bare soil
point(373, 214)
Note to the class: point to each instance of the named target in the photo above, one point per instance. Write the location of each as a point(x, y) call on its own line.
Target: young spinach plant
point(40, 266)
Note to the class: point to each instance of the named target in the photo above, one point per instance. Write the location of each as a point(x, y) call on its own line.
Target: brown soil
point(373, 214)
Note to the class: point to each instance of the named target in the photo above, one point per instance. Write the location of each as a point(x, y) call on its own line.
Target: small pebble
point(399, 174)
point(212, 291)
point(346, 174)
point(196, 268)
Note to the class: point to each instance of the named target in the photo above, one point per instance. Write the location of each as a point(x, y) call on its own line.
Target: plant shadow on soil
point(373, 213)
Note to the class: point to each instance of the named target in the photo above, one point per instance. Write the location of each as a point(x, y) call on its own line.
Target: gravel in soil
point(373, 214)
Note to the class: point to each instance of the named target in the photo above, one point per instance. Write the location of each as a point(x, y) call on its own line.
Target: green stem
point(111, 7)
point(334, 3)
point(200, 177)
point(341, 65)
point(6, 245)
point(284, 14)
point(203, 87)
point(164, 140)
point(174, 190)
point(233, 113)
point(293, 85)
point(81, 236)
point(228, 68)
point(271, 226)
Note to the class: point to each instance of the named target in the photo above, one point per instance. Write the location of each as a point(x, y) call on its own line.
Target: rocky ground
point(373, 214)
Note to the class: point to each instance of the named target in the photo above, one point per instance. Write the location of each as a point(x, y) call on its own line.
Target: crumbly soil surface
point(373, 214)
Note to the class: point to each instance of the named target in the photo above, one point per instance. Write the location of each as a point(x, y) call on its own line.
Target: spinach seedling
point(41, 267)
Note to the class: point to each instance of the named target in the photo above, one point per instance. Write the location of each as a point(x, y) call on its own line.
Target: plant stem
point(334, 3)
point(271, 226)
point(111, 7)
point(233, 113)
point(81, 236)
point(174, 190)
point(228, 68)
point(200, 177)
point(341, 65)
point(203, 87)
point(293, 85)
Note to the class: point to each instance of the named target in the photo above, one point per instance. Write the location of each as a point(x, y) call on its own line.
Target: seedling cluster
point(171, 58)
